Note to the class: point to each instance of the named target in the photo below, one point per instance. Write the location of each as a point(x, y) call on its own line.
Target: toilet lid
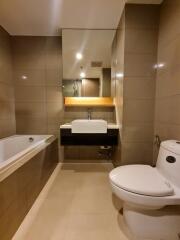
point(141, 179)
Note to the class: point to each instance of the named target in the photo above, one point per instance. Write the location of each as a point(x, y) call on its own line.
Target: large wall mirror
point(87, 62)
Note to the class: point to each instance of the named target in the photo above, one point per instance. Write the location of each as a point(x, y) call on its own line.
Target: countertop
point(110, 126)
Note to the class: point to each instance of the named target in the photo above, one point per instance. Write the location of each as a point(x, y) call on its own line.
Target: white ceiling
point(45, 17)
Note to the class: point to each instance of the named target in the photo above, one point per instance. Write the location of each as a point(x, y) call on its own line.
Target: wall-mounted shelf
point(88, 102)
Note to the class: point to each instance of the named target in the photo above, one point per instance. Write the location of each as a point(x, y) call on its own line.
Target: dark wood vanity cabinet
point(89, 139)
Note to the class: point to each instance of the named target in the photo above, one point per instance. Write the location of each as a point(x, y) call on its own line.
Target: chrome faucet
point(89, 113)
point(157, 141)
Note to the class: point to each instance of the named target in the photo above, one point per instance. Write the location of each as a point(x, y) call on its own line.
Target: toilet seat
point(130, 183)
point(141, 179)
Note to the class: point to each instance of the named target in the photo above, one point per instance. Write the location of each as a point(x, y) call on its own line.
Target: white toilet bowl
point(151, 196)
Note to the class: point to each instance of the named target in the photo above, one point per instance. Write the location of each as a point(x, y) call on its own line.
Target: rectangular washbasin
point(89, 126)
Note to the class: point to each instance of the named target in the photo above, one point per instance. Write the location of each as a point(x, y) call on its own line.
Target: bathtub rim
point(11, 165)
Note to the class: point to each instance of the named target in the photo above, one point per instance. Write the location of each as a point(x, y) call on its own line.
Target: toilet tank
point(168, 162)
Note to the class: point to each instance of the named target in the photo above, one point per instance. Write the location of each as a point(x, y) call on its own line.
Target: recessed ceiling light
point(119, 75)
point(82, 74)
point(79, 56)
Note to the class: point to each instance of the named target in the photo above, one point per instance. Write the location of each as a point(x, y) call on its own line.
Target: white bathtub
point(14, 149)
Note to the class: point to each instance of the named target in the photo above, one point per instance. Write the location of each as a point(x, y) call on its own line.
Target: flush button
point(171, 159)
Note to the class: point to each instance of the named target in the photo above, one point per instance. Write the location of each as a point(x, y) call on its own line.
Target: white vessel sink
point(89, 126)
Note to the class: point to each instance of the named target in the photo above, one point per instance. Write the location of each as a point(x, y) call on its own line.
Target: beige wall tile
point(53, 77)
point(55, 110)
point(169, 22)
point(32, 60)
point(167, 131)
point(137, 153)
point(168, 77)
point(7, 127)
point(138, 133)
point(135, 94)
point(167, 116)
point(6, 75)
point(141, 41)
point(54, 53)
point(34, 77)
point(142, 16)
point(53, 45)
point(39, 102)
point(117, 154)
point(53, 129)
point(139, 65)
point(7, 107)
point(30, 93)
point(89, 153)
point(117, 66)
point(28, 44)
point(164, 86)
point(54, 94)
point(139, 87)
point(71, 152)
point(31, 109)
point(6, 92)
point(29, 125)
point(72, 113)
point(167, 110)
point(53, 61)
point(138, 111)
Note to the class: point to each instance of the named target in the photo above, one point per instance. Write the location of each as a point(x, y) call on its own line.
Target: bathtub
point(17, 149)
point(26, 164)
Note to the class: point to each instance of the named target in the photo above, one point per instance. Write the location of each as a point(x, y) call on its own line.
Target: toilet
point(151, 195)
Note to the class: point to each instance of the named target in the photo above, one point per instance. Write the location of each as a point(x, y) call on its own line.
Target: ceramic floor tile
point(79, 205)
point(96, 203)
point(88, 235)
point(53, 229)
point(66, 184)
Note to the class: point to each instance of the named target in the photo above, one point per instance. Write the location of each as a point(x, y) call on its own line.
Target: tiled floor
point(78, 205)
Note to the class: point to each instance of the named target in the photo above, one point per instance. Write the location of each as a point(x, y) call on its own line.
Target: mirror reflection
point(87, 62)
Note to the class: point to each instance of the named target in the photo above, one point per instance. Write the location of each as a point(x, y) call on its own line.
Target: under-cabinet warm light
point(89, 101)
